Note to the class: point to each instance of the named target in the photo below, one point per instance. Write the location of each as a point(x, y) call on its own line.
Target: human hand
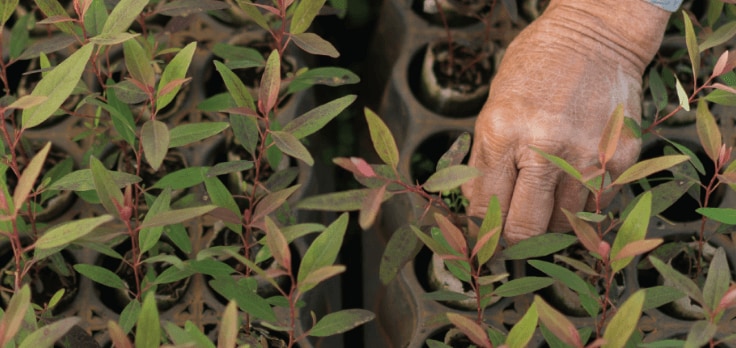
point(559, 82)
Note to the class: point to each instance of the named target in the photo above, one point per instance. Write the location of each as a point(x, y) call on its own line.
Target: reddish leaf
point(611, 135)
point(363, 167)
point(268, 93)
point(371, 206)
point(586, 234)
point(278, 245)
point(648, 167)
point(117, 336)
point(708, 132)
point(557, 323)
point(728, 299)
point(453, 235)
point(723, 87)
point(720, 67)
point(314, 44)
point(28, 177)
point(471, 329)
point(637, 248)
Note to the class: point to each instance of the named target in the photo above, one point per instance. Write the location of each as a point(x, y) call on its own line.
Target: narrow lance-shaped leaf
point(523, 330)
point(272, 202)
point(708, 132)
point(682, 95)
point(57, 85)
point(246, 132)
point(227, 337)
point(717, 280)
point(611, 135)
point(722, 215)
point(268, 92)
point(117, 336)
point(647, 167)
point(560, 163)
point(456, 153)
point(633, 229)
point(188, 133)
point(28, 177)
point(175, 70)
point(138, 64)
point(371, 206)
point(382, 139)
point(148, 330)
point(26, 101)
point(557, 323)
point(176, 216)
point(235, 87)
point(100, 275)
point(318, 117)
point(155, 141)
point(324, 249)
point(318, 276)
point(624, 322)
point(400, 249)
point(678, 280)
point(291, 146)
point(721, 35)
point(492, 224)
point(277, 244)
point(14, 314)
point(586, 234)
point(720, 67)
point(254, 14)
point(692, 43)
point(66, 233)
point(338, 201)
point(450, 178)
point(340, 321)
point(314, 44)
point(470, 328)
point(107, 191)
point(122, 16)
point(637, 248)
point(7, 7)
point(453, 235)
point(304, 15)
point(47, 335)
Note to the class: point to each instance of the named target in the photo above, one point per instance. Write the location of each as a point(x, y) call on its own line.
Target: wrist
point(632, 30)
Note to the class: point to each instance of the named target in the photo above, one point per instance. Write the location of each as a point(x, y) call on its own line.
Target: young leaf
point(633, 229)
point(291, 146)
point(100, 275)
point(521, 286)
point(7, 7)
point(457, 152)
point(228, 335)
point(268, 92)
point(175, 70)
point(149, 237)
point(148, 329)
point(692, 43)
point(701, 332)
point(122, 16)
point(523, 330)
point(557, 323)
point(117, 337)
point(449, 178)
point(28, 178)
point(717, 281)
point(319, 275)
point(14, 314)
point(560, 163)
point(329, 76)
point(277, 244)
point(637, 248)
point(271, 202)
point(63, 234)
point(324, 249)
point(708, 132)
point(383, 140)
point(138, 63)
point(371, 206)
point(492, 224)
point(586, 234)
point(314, 44)
point(648, 167)
point(107, 191)
point(720, 67)
point(26, 101)
point(453, 235)
point(470, 328)
point(340, 321)
point(57, 85)
point(304, 15)
point(611, 135)
point(682, 95)
point(318, 117)
point(624, 322)
point(539, 246)
point(155, 140)
point(47, 335)
point(254, 13)
point(678, 280)
point(235, 87)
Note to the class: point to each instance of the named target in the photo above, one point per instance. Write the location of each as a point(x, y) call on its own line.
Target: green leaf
point(721, 97)
point(623, 323)
point(175, 70)
point(182, 178)
point(692, 43)
point(53, 8)
point(176, 216)
point(95, 18)
point(183, 8)
point(28, 178)
point(314, 44)
point(318, 276)
point(148, 237)
point(304, 14)
point(722, 215)
point(701, 332)
point(122, 16)
point(82, 180)
point(383, 140)
point(340, 321)
point(318, 117)
point(324, 249)
point(661, 295)
point(47, 335)
point(521, 286)
point(155, 140)
point(107, 191)
point(245, 129)
point(148, 329)
point(188, 133)
point(7, 7)
point(402, 247)
point(585, 233)
point(14, 313)
point(682, 95)
point(229, 325)
point(273, 201)
point(253, 13)
point(658, 90)
point(100, 275)
point(647, 167)
point(470, 328)
point(276, 242)
point(456, 153)
point(138, 63)
point(523, 330)
point(63, 234)
point(561, 163)
point(492, 223)
point(291, 146)
point(708, 132)
point(633, 229)
point(268, 92)
point(329, 76)
point(557, 323)
point(573, 281)
point(118, 338)
point(719, 36)
point(235, 87)
point(717, 281)
point(678, 280)
point(449, 178)
point(129, 316)
point(338, 201)
point(229, 167)
point(57, 85)
point(538, 246)
point(247, 300)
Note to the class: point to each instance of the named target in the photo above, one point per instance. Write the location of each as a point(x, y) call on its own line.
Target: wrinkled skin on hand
point(555, 89)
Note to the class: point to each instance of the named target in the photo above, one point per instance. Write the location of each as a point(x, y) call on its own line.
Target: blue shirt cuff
point(669, 5)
